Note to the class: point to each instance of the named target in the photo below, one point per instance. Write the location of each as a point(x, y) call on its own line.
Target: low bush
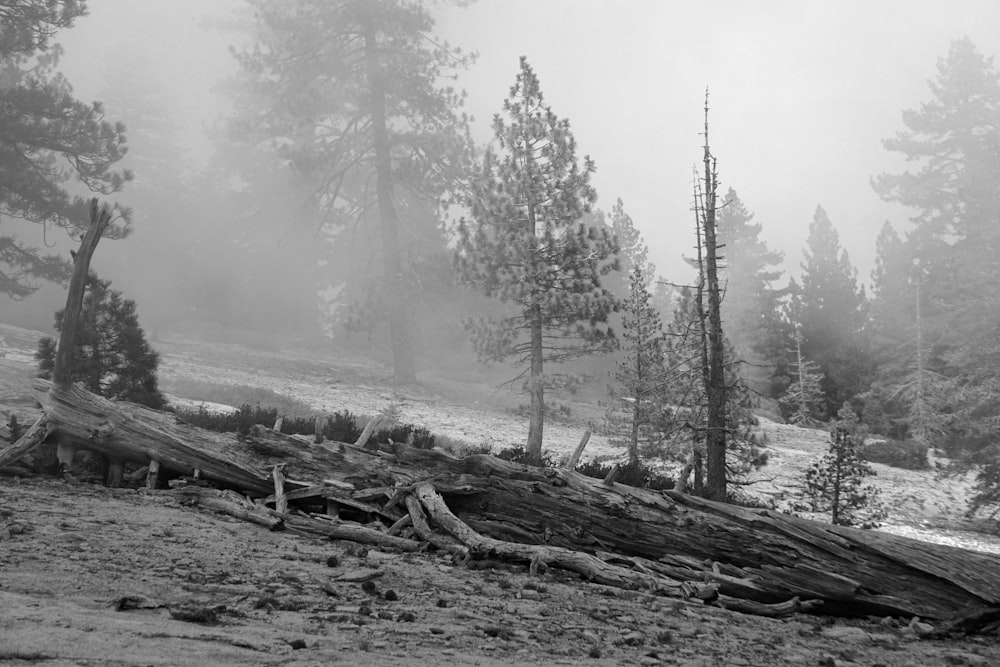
point(518, 454)
point(907, 454)
point(637, 474)
point(235, 394)
point(339, 427)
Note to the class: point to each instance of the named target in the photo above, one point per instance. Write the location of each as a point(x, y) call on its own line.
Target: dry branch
point(612, 534)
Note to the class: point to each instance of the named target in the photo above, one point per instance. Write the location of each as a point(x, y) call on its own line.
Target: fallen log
point(554, 516)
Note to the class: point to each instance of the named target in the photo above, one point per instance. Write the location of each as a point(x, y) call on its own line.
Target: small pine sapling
point(112, 357)
point(835, 483)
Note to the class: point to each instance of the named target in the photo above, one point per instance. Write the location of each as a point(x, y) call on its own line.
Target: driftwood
point(668, 542)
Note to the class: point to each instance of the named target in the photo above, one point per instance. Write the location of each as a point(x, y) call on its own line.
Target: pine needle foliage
point(804, 401)
point(525, 244)
point(639, 389)
point(112, 357)
point(835, 484)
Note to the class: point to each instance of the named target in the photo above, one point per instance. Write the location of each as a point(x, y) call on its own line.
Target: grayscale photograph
point(500, 332)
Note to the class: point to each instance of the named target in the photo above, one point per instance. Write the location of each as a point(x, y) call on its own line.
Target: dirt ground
point(94, 576)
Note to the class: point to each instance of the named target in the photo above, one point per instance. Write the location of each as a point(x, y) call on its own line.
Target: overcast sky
point(802, 93)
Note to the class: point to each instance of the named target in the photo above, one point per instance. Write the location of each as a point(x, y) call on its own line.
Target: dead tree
point(711, 320)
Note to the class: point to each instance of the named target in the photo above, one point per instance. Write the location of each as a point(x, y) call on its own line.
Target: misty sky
point(802, 93)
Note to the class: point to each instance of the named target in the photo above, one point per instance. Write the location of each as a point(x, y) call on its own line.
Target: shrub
point(835, 484)
point(517, 454)
point(635, 474)
point(111, 356)
point(907, 454)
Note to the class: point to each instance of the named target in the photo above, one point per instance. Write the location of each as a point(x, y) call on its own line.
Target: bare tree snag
point(715, 387)
point(100, 218)
point(368, 431)
point(65, 453)
point(31, 439)
point(116, 473)
point(153, 474)
point(578, 452)
point(280, 502)
point(318, 428)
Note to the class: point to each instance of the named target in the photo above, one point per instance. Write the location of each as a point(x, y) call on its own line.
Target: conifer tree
point(353, 96)
point(47, 138)
point(526, 245)
point(909, 395)
point(751, 304)
point(832, 310)
point(633, 252)
point(641, 378)
point(803, 401)
point(112, 357)
point(953, 189)
point(836, 483)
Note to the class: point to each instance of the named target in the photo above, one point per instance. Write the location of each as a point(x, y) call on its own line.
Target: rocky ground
point(93, 576)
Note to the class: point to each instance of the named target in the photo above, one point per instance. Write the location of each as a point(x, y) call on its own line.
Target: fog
point(801, 95)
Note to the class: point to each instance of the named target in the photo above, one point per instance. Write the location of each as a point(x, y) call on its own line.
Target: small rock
point(528, 594)
point(845, 633)
point(437, 631)
point(391, 595)
point(332, 561)
point(407, 617)
point(297, 644)
point(442, 603)
point(634, 639)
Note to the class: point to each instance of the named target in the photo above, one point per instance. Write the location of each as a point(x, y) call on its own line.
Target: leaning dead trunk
point(544, 513)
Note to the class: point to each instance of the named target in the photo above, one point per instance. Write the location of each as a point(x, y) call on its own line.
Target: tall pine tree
point(751, 302)
point(641, 379)
point(953, 141)
point(526, 245)
point(832, 312)
point(353, 96)
point(47, 139)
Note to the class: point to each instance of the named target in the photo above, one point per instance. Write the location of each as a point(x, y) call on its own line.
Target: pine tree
point(953, 140)
point(47, 138)
point(836, 483)
point(112, 357)
point(525, 245)
point(633, 250)
point(641, 378)
point(909, 395)
point(751, 302)
point(832, 310)
point(803, 402)
point(350, 95)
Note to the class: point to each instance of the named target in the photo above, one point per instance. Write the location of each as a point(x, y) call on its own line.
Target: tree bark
point(715, 436)
point(544, 516)
point(402, 350)
point(100, 218)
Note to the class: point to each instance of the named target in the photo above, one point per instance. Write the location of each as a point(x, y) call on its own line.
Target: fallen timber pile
point(479, 507)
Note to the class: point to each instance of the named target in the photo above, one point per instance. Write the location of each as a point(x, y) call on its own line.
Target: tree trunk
point(620, 535)
point(399, 329)
point(715, 436)
point(100, 218)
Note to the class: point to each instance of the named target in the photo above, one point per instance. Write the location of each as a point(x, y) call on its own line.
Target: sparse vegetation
point(835, 484)
point(908, 454)
point(631, 473)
